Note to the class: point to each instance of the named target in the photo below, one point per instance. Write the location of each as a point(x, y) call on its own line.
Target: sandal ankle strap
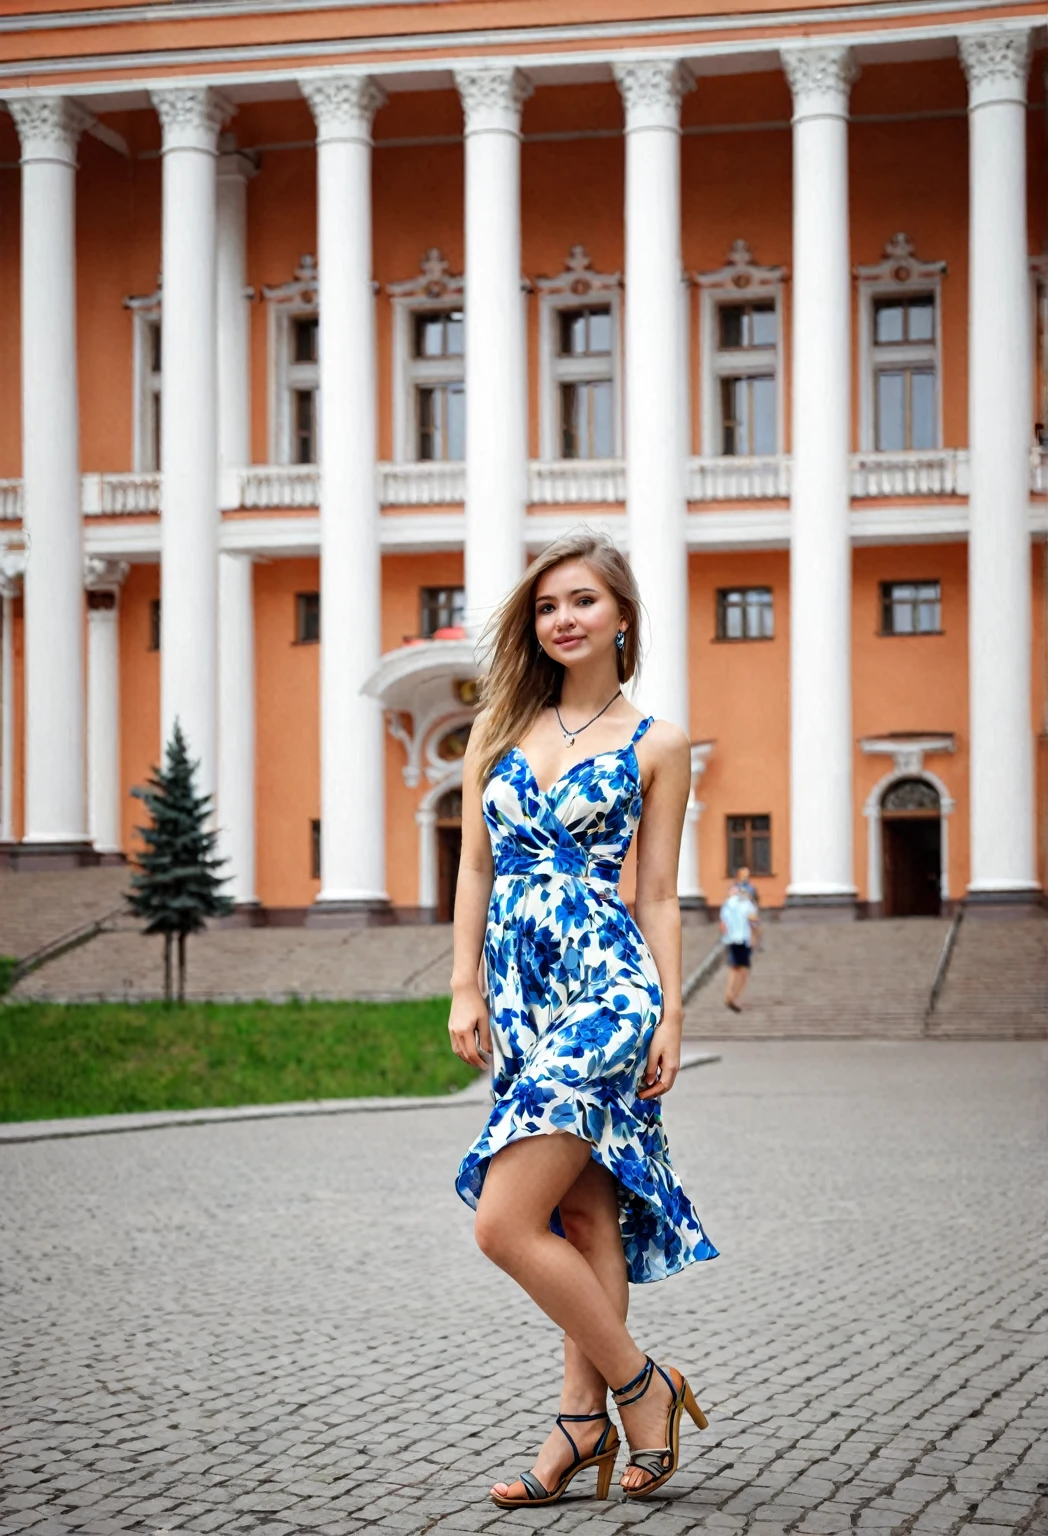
point(637, 1387)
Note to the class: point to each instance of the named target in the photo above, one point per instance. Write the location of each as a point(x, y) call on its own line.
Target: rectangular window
point(905, 393)
point(441, 414)
point(149, 360)
point(439, 333)
point(441, 608)
point(746, 368)
point(299, 430)
point(154, 624)
point(749, 844)
point(911, 608)
point(583, 379)
point(745, 613)
point(314, 849)
point(307, 618)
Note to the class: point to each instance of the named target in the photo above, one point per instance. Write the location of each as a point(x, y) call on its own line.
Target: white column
point(11, 571)
point(426, 821)
point(236, 724)
point(55, 801)
point(191, 117)
point(1000, 410)
point(656, 436)
point(352, 744)
point(235, 169)
point(496, 354)
point(103, 579)
point(821, 868)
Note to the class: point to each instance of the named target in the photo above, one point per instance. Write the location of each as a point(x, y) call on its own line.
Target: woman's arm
point(468, 1024)
point(657, 907)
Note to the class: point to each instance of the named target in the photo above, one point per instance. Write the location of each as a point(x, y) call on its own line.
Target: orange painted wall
point(911, 683)
point(140, 745)
point(740, 700)
point(287, 743)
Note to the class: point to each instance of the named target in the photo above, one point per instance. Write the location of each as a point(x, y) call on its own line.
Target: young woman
point(583, 1014)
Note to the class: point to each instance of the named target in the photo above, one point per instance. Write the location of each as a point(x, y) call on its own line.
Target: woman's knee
point(492, 1231)
point(584, 1226)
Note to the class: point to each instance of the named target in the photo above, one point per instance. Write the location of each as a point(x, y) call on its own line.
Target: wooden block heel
point(602, 1457)
point(659, 1465)
point(697, 1415)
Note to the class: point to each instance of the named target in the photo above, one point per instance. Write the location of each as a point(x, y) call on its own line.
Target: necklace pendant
point(569, 741)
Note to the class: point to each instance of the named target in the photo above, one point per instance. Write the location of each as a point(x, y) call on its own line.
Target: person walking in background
point(744, 885)
point(739, 925)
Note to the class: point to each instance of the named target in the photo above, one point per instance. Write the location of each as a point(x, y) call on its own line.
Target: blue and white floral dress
point(574, 996)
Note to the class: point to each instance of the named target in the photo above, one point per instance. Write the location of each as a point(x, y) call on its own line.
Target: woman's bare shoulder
point(667, 743)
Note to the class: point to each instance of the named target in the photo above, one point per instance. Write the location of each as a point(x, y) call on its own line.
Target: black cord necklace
point(569, 736)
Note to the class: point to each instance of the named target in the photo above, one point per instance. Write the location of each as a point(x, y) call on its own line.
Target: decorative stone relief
point(192, 116)
point(911, 795)
point(492, 98)
point(900, 265)
point(820, 76)
point(343, 106)
point(652, 91)
point(742, 272)
point(49, 127)
point(12, 570)
point(578, 278)
point(434, 282)
point(301, 291)
point(996, 64)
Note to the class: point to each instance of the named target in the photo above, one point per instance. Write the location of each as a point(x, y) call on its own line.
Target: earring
point(620, 641)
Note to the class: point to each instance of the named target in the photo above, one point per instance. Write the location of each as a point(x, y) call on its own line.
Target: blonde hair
point(521, 678)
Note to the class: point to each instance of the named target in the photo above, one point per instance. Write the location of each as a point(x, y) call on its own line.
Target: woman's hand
point(469, 1029)
point(663, 1060)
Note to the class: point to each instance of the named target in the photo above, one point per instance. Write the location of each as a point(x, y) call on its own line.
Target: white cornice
point(528, 40)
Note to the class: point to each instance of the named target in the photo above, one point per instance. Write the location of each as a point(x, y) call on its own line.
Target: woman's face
point(576, 615)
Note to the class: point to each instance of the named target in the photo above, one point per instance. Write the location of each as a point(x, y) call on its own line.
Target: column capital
point(343, 107)
point(996, 62)
point(12, 570)
point(820, 80)
point(49, 127)
point(234, 163)
point(652, 91)
point(104, 578)
point(493, 98)
point(192, 116)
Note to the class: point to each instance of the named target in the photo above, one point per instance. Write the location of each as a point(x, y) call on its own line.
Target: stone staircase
point(812, 979)
point(36, 909)
point(997, 983)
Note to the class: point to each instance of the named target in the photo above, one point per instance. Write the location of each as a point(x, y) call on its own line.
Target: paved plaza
point(283, 1326)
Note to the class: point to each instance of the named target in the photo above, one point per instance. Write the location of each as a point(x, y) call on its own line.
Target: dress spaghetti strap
point(641, 729)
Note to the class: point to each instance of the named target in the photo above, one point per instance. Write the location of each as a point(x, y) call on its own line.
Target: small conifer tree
point(176, 885)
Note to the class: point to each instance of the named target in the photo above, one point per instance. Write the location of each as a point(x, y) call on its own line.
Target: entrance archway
point(449, 852)
point(912, 851)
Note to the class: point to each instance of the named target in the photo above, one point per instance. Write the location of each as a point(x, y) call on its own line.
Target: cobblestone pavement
point(283, 1326)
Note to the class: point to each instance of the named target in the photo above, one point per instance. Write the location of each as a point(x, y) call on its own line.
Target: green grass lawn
point(108, 1058)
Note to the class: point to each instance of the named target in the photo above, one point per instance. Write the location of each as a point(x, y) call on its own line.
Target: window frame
point(286, 303)
point(435, 290)
point(720, 608)
point(741, 281)
point(885, 601)
point(748, 862)
point(440, 587)
point(147, 381)
point(302, 602)
point(899, 276)
point(577, 287)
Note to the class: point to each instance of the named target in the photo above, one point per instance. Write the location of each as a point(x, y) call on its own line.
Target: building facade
point(318, 322)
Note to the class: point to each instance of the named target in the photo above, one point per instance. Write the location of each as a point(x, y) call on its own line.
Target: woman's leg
point(589, 1215)
point(524, 1183)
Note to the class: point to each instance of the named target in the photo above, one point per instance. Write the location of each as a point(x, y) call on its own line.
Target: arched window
point(911, 795)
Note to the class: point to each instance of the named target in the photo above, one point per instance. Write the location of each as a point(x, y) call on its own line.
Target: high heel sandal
point(660, 1465)
point(602, 1457)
